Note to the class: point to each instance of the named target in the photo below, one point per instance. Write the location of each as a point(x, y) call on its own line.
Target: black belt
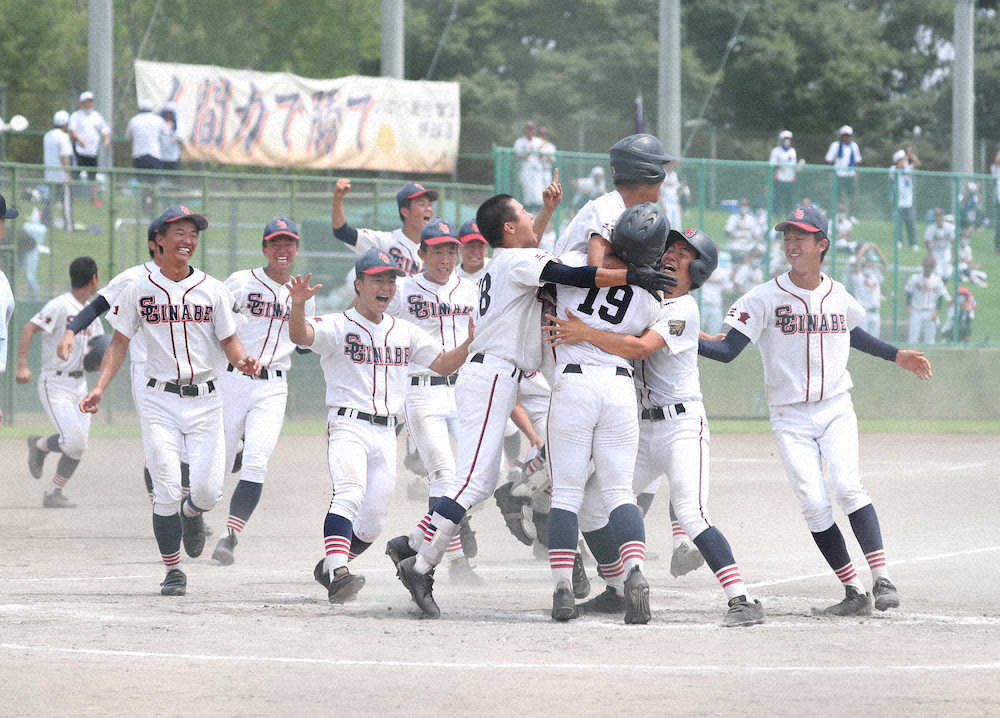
point(657, 414)
point(183, 389)
point(433, 381)
point(478, 358)
point(577, 369)
point(371, 418)
point(263, 372)
point(70, 374)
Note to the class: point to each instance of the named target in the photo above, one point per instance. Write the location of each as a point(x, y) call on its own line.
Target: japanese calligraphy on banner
point(279, 119)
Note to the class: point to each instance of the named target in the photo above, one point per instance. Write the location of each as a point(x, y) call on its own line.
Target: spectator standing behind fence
point(901, 191)
point(845, 155)
point(940, 241)
point(784, 159)
point(995, 171)
point(57, 154)
point(89, 132)
point(170, 138)
point(531, 174)
point(714, 292)
point(743, 232)
point(145, 129)
point(925, 294)
point(670, 196)
point(966, 313)
point(971, 206)
point(546, 155)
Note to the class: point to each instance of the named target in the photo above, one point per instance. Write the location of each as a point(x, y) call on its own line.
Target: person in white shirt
point(145, 130)
point(6, 295)
point(845, 155)
point(901, 190)
point(969, 270)
point(531, 174)
point(89, 132)
point(57, 154)
point(925, 295)
point(995, 171)
point(939, 238)
point(170, 139)
point(61, 382)
point(546, 155)
point(784, 158)
point(743, 232)
point(866, 286)
point(670, 195)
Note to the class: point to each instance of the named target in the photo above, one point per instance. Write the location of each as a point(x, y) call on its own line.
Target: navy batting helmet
point(639, 158)
point(640, 235)
point(707, 260)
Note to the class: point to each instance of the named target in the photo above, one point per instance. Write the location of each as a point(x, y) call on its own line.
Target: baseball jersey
point(397, 244)
point(144, 130)
point(55, 145)
point(441, 311)
point(262, 306)
point(89, 128)
point(366, 364)
point(510, 312)
point(114, 288)
point(902, 179)
point(473, 277)
point(785, 158)
point(53, 320)
point(868, 289)
point(598, 216)
point(718, 282)
point(622, 310)
point(844, 157)
point(803, 335)
point(183, 323)
point(940, 239)
point(6, 313)
point(670, 375)
point(925, 291)
point(670, 190)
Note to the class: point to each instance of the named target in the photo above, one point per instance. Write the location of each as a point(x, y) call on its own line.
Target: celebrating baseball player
point(472, 251)
point(507, 342)
point(61, 383)
point(186, 319)
point(805, 324)
point(925, 297)
point(254, 407)
point(365, 354)
point(673, 430)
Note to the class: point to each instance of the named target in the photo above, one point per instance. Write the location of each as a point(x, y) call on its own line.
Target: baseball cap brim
point(440, 239)
point(199, 220)
point(11, 213)
point(472, 237)
point(432, 194)
point(282, 233)
point(382, 268)
point(782, 226)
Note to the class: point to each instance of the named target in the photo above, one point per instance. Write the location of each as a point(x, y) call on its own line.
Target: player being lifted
point(254, 407)
point(805, 324)
point(186, 318)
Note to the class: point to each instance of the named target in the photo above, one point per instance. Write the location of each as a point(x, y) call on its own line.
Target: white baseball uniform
point(532, 171)
point(598, 216)
point(473, 277)
point(254, 407)
point(136, 347)
point(804, 341)
point(718, 284)
point(868, 290)
point(402, 249)
point(62, 384)
point(941, 243)
point(6, 314)
point(670, 198)
point(924, 295)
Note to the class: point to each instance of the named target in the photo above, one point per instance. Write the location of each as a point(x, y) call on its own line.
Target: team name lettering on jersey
point(260, 307)
point(422, 308)
point(153, 313)
point(404, 263)
point(791, 323)
point(361, 353)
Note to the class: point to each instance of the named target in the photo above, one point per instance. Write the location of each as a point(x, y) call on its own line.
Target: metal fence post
point(896, 235)
point(957, 214)
point(291, 198)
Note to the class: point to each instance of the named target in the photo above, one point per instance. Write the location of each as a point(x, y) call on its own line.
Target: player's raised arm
point(299, 292)
point(551, 197)
point(112, 362)
point(338, 218)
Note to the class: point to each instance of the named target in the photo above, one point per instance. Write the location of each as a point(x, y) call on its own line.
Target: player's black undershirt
point(559, 273)
point(92, 311)
point(346, 234)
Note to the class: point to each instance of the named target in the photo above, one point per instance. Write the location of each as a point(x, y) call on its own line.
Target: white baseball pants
point(432, 419)
point(923, 327)
point(61, 396)
point(254, 408)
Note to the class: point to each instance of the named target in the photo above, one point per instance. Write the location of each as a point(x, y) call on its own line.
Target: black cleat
point(193, 533)
point(581, 584)
point(175, 583)
point(224, 550)
point(885, 594)
point(855, 603)
point(470, 546)
point(610, 601)
point(345, 585)
point(563, 606)
point(398, 548)
point(420, 586)
point(36, 457)
point(321, 575)
point(743, 613)
point(463, 573)
point(56, 500)
point(636, 597)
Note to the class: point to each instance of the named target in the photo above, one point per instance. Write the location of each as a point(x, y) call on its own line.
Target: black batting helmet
point(640, 235)
point(707, 260)
point(639, 158)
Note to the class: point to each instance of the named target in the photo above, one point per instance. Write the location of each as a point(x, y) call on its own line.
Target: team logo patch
point(185, 210)
point(799, 214)
point(281, 224)
point(676, 327)
point(383, 257)
point(690, 232)
point(443, 228)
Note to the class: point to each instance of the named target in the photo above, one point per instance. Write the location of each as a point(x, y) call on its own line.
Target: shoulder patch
point(676, 327)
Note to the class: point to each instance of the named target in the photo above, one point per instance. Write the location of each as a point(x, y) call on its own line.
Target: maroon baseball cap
point(177, 212)
point(412, 190)
point(808, 218)
point(470, 233)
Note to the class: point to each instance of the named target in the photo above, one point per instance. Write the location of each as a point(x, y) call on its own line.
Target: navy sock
point(167, 530)
point(431, 500)
point(602, 544)
point(626, 522)
point(334, 525)
point(512, 445)
point(358, 546)
point(148, 479)
point(865, 524)
point(645, 501)
point(52, 443)
point(449, 509)
point(715, 548)
point(541, 522)
point(66, 466)
point(185, 474)
point(831, 545)
point(563, 530)
point(245, 498)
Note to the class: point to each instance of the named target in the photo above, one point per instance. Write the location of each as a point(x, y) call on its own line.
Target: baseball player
point(6, 295)
point(472, 250)
point(673, 428)
point(186, 318)
point(440, 303)
point(253, 408)
point(505, 345)
point(61, 382)
point(416, 207)
point(805, 324)
point(925, 294)
point(365, 354)
point(867, 286)
point(940, 241)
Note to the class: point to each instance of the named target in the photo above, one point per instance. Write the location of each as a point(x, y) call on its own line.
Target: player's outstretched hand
point(23, 376)
point(649, 279)
point(342, 187)
point(565, 331)
point(249, 365)
point(552, 195)
point(915, 362)
point(65, 347)
point(88, 405)
point(299, 290)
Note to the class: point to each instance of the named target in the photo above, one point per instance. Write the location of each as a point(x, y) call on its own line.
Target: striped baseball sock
point(831, 544)
point(454, 549)
point(626, 522)
point(633, 554)
point(719, 557)
point(358, 547)
point(613, 575)
point(57, 483)
point(609, 561)
point(438, 529)
point(337, 541)
point(167, 530)
point(563, 533)
point(246, 495)
point(876, 562)
point(865, 524)
point(731, 580)
point(679, 534)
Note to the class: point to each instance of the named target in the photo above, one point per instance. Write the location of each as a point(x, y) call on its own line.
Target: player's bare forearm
point(338, 217)
point(23, 374)
point(573, 331)
point(915, 362)
point(237, 355)
point(298, 331)
point(523, 422)
point(448, 362)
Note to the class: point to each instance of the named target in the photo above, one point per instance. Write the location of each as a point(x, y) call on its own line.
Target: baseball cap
point(88, 95)
point(470, 233)
point(898, 155)
point(177, 212)
point(412, 190)
point(438, 231)
point(281, 226)
point(808, 218)
point(783, 134)
point(153, 228)
point(60, 118)
point(6, 213)
point(928, 262)
point(375, 261)
point(846, 130)
point(145, 105)
point(529, 123)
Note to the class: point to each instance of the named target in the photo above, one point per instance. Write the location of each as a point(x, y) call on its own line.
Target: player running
point(805, 324)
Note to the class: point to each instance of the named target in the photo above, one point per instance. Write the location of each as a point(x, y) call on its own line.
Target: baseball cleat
point(419, 585)
point(193, 533)
point(224, 550)
point(540, 551)
point(238, 462)
point(463, 573)
point(36, 457)
point(636, 597)
point(175, 583)
point(321, 575)
point(563, 606)
point(581, 584)
point(56, 500)
point(743, 613)
point(885, 594)
point(344, 586)
point(470, 546)
point(686, 558)
point(398, 548)
point(610, 601)
point(855, 603)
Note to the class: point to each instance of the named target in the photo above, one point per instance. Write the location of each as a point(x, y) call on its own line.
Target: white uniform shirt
point(718, 282)
point(868, 289)
point(6, 314)
point(53, 320)
point(442, 311)
point(89, 128)
point(747, 277)
point(473, 277)
point(742, 231)
point(925, 291)
point(144, 130)
point(111, 292)
point(510, 313)
point(56, 145)
point(598, 216)
point(366, 364)
point(902, 179)
point(183, 323)
point(262, 306)
point(623, 310)
point(170, 143)
point(941, 240)
point(395, 243)
point(670, 375)
point(804, 337)
point(670, 190)
point(841, 157)
point(529, 147)
point(785, 160)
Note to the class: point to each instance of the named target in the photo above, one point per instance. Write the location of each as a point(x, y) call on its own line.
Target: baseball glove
point(513, 511)
point(95, 352)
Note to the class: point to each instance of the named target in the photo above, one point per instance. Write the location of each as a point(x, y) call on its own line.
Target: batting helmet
point(640, 235)
point(95, 352)
point(704, 264)
point(639, 158)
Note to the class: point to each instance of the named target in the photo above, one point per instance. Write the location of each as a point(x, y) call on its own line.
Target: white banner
point(279, 119)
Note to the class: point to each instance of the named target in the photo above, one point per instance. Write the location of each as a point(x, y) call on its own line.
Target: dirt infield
point(84, 631)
